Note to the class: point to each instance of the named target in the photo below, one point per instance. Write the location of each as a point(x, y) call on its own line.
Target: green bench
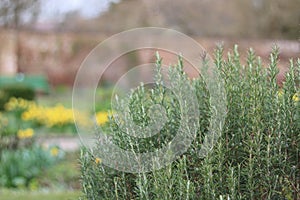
point(38, 82)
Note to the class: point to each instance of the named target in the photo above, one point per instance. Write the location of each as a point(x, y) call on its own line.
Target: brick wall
point(59, 55)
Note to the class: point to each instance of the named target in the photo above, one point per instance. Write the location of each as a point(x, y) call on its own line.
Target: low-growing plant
point(64, 174)
point(3, 99)
point(21, 159)
point(256, 156)
point(15, 132)
point(19, 168)
point(17, 91)
point(56, 118)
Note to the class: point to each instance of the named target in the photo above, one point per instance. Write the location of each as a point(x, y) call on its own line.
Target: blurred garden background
point(44, 42)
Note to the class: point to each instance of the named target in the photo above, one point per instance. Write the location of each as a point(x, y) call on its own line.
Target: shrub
point(17, 91)
point(256, 156)
point(3, 99)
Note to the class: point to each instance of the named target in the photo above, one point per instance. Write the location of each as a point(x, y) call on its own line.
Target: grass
point(27, 195)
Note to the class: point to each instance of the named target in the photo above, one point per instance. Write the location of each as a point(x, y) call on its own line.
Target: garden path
point(66, 143)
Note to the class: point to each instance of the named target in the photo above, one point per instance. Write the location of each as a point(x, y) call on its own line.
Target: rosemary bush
point(256, 157)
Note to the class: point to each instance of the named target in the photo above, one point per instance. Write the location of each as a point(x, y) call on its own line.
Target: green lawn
point(24, 195)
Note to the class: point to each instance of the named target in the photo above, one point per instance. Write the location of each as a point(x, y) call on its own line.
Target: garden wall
point(59, 55)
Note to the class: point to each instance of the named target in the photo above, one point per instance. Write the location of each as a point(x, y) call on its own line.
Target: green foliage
point(20, 168)
point(19, 91)
point(15, 90)
point(63, 175)
point(9, 127)
point(21, 160)
point(11, 124)
point(103, 98)
point(3, 99)
point(256, 157)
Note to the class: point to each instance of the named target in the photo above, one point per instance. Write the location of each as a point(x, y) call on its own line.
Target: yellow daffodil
point(49, 116)
point(25, 133)
point(83, 118)
point(53, 116)
point(101, 118)
point(18, 103)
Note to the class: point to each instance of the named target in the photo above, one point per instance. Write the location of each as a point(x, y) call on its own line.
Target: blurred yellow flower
point(54, 116)
point(49, 116)
point(83, 118)
point(18, 103)
point(101, 118)
point(54, 151)
point(25, 133)
point(98, 160)
point(296, 97)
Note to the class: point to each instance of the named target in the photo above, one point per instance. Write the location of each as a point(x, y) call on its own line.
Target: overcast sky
point(88, 8)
